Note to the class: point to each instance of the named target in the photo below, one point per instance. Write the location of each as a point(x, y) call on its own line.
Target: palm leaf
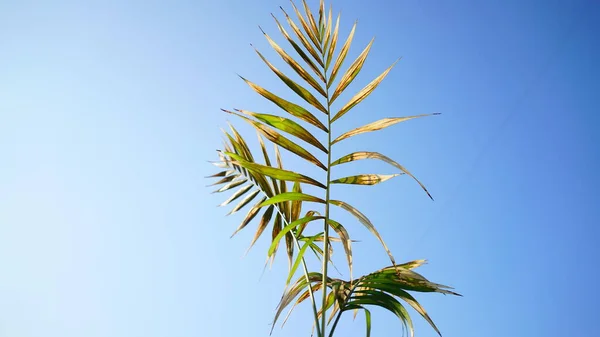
point(274, 172)
point(376, 155)
point(291, 196)
point(312, 35)
point(298, 89)
point(366, 222)
point(237, 194)
point(286, 125)
point(294, 64)
point(296, 205)
point(377, 125)
point(289, 107)
point(313, 24)
point(341, 55)
point(364, 179)
point(300, 52)
point(245, 201)
point(352, 71)
point(362, 94)
point(293, 225)
point(264, 222)
point(315, 41)
point(249, 216)
point(299, 257)
point(333, 43)
point(345, 239)
point(282, 141)
point(311, 50)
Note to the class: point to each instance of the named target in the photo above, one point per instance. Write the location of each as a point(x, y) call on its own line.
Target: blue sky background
point(110, 109)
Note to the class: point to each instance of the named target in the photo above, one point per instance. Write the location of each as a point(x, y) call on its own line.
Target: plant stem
point(326, 221)
point(312, 298)
point(337, 319)
point(304, 267)
point(339, 315)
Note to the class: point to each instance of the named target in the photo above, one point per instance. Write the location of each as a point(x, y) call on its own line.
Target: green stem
point(339, 315)
point(337, 319)
point(312, 298)
point(305, 268)
point(326, 222)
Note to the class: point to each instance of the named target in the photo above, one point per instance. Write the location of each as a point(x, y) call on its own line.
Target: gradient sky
point(110, 109)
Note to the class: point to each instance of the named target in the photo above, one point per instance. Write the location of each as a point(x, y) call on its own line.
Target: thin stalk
point(312, 298)
point(304, 267)
point(337, 319)
point(326, 221)
point(339, 315)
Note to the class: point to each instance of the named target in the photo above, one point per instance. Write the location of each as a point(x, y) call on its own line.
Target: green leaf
point(287, 125)
point(377, 125)
point(362, 94)
point(312, 35)
point(327, 31)
point(284, 207)
point(383, 300)
point(311, 50)
point(220, 174)
point(291, 108)
point(296, 207)
point(352, 71)
point(299, 50)
point(366, 222)
point(412, 264)
point(364, 179)
point(291, 196)
point(282, 141)
point(313, 24)
point(292, 292)
point(275, 172)
point(321, 15)
point(244, 202)
point(237, 194)
point(241, 148)
point(264, 222)
point(289, 247)
point(287, 229)
point(232, 184)
point(368, 321)
point(277, 225)
point(314, 288)
point(270, 189)
point(334, 39)
point(376, 155)
point(346, 242)
point(415, 305)
point(405, 279)
point(242, 144)
point(251, 214)
point(295, 65)
point(342, 54)
point(308, 243)
point(298, 89)
point(223, 181)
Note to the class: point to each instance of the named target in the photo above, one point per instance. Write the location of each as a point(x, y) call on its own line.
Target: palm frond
point(316, 81)
point(386, 288)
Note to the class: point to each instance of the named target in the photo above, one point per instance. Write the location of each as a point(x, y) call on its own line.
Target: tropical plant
point(280, 191)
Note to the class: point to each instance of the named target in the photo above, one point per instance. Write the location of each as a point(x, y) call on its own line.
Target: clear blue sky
point(109, 111)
